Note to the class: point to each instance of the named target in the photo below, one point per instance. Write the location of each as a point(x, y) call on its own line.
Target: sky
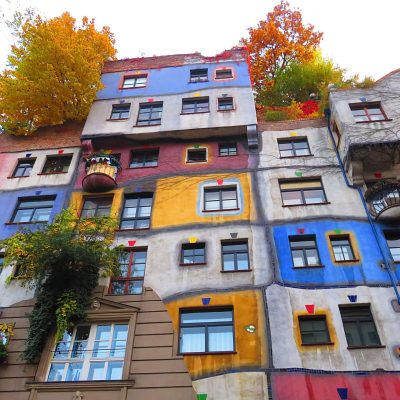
point(361, 36)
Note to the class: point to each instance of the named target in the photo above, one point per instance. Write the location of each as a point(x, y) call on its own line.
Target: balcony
point(101, 173)
point(383, 200)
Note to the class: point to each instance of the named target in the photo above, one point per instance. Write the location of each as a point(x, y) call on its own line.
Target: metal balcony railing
point(383, 199)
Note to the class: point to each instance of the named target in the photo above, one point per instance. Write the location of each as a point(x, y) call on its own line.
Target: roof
point(173, 60)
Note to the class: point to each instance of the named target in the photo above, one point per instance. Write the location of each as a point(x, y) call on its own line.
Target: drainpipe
point(387, 263)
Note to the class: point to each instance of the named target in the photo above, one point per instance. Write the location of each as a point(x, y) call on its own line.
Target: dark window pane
point(56, 164)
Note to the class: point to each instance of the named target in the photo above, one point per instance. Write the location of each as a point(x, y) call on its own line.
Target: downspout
point(387, 263)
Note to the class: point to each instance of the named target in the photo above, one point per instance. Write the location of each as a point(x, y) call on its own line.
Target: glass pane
point(192, 340)
point(118, 348)
point(302, 152)
point(129, 212)
point(300, 145)
point(234, 247)
point(212, 205)
point(103, 332)
point(242, 261)
point(144, 212)
point(298, 258)
point(229, 194)
point(395, 251)
point(370, 335)
point(285, 146)
point(352, 334)
point(56, 372)
point(135, 287)
point(101, 349)
point(312, 257)
point(96, 371)
point(41, 214)
point(201, 317)
point(63, 346)
point(229, 204)
point(292, 198)
point(23, 216)
point(114, 370)
point(211, 195)
point(314, 196)
point(120, 332)
point(74, 372)
point(118, 287)
point(220, 338)
point(228, 262)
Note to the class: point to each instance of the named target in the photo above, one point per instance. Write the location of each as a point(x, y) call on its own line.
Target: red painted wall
point(302, 386)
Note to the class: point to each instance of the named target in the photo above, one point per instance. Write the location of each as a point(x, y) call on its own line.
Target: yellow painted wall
point(176, 201)
point(251, 348)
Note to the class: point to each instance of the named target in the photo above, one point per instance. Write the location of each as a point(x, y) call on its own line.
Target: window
point(196, 155)
point(304, 251)
point(144, 158)
point(193, 253)
point(219, 199)
point(132, 266)
point(199, 75)
point(359, 326)
point(137, 211)
point(206, 331)
point(393, 242)
point(24, 167)
point(367, 112)
point(150, 114)
point(227, 149)
point(313, 329)
point(225, 73)
point(1, 262)
point(34, 209)
point(137, 81)
point(90, 353)
point(225, 103)
point(120, 111)
point(56, 164)
point(195, 105)
point(96, 207)
point(235, 256)
point(341, 247)
point(293, 147)
point(302, 192)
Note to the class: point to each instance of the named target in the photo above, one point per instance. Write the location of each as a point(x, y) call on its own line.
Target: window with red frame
point(368, 112)
point(132, 265)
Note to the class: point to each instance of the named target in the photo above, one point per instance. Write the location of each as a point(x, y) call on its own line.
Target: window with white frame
point(90, 353)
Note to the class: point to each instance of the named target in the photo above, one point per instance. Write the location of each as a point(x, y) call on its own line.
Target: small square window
point(293, 147)
point(393, 242)
point(225, 103)
point(304, 251)
point(359, 326)
point(33, 209)
point(206, 331)
point(96, 207)
point(314, 330)
point(193, 253)
point(150, 114)
point(137, 211)
point(199, 75)
point(368, 112)
point(132, 266)
point(227, 149)
point(137, 81)
point(195, 105)
point(196, 155)
point(221, 199)
point(342, 249)
point(225, 73)
point(302, 192)
point(235, 256)
point(57, 164)
point(144, 158)
point(24, 167)
point(120, 111)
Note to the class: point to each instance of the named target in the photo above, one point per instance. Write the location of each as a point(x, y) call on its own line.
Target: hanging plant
point(3, 352)
point(102, 158)
point(6, 331)
point(63, 261)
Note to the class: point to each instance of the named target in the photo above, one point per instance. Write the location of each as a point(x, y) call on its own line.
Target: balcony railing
point(101, 173)
point(384, 200)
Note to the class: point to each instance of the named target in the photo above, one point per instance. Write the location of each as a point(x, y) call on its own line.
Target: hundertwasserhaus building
point(260, 258)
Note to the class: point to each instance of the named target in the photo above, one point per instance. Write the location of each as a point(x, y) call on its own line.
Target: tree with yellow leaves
point(54, 72)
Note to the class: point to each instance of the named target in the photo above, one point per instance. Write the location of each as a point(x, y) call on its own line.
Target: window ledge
point(199, 112)
point(308, 266)
point(116, 119)
point(371, 122)
point(347, 261)
point(309, 204)
point(224, 111)
point(208, 353)
point(131, 229)
point(308, 155)
point(381, 346)
point(146, 126)
point(229, 155)
point(52, 173)
point(16, 177)
point(221, 210)
point(197, 162)
point(130, 88)
point(74, 385)
point(26, 223)
point(318, 344)
point(189, 265)
point(198, 81)
point(152, 166)
point(235, 270)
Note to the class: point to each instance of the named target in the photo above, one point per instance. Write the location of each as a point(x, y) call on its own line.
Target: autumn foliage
point(276, 42)
point(54, 72)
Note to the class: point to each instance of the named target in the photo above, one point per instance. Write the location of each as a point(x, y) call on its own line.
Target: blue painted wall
point(9, 200)
point(173, 80)
point(367, 271)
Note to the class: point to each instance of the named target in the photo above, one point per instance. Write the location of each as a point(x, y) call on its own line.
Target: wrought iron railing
point(383, 195)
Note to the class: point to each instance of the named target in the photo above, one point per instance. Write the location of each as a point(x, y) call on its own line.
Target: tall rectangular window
point(314, 329)
point(150, 114)
point(195, 105)
point(144, 158)
point(235, 256)
point(132, 266)
point(368, 112)
point(193, 253)
point(293, 147)
point(96, 206)
point(137, 211)
point(57, 164)
point(33, 209)
point(89, 353)
point(302, 192)
point(359, 326)
point(304, 251)
point(342, 249)
point(24, 167)
point(120, 111)
point(199, 75)
point(208, 331)
point(137, 81)
point(220, 199)
point(393, 242)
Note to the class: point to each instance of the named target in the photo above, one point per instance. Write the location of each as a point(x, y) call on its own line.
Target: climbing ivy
point(63, 262)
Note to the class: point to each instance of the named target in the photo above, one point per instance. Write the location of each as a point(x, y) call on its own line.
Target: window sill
point(371, 122)
point(308, 266)
point(309, 204)
point(132, 229)
point(146, 126)
point(221, 210)
point(308, 155)
point(74, 385)
point(235, 271)
point(192, 264)
point(198, 81)
point(130, 88)
point(224, 111)
point(153, 166)
point(16, 177)
point(116, 119)
point(207, 354)
point(52, 173)
point(318, 344)
point(198, 112)
point(347, 261)
point(197, 162)
point(381, 346)
point(229, 155)
point(26, 223)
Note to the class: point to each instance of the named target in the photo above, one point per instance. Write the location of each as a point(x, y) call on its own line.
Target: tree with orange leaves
point(276, 42)
point(54, 72)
